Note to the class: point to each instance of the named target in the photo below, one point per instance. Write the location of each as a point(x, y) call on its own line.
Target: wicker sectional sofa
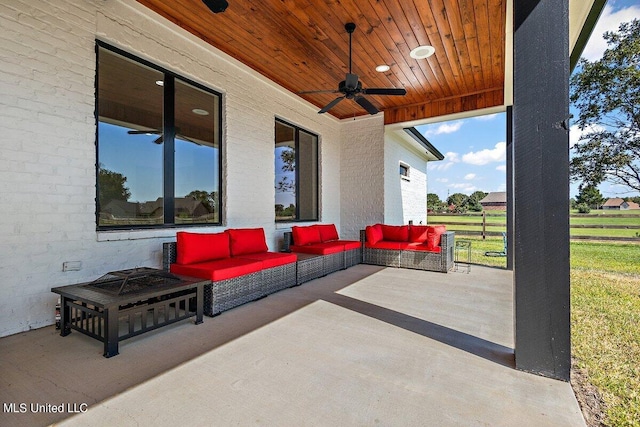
point(323, 240)
point(409, 246)
point(236, 261)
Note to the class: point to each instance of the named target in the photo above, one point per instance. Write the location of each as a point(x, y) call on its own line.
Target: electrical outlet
point(71, 265)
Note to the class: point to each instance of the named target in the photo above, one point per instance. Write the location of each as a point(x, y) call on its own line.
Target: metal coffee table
point(126, 303)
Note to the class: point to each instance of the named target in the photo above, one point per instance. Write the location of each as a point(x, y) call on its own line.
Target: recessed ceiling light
point(382, 68)
point(160, 82)
point(422, 52)
point(200, 112)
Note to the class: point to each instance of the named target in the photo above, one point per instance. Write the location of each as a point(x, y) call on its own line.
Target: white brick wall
point(405, 200)
point(47, 161)
point(362, 176)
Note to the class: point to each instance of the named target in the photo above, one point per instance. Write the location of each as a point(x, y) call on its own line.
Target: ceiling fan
point(160, 139)
point(351, 88)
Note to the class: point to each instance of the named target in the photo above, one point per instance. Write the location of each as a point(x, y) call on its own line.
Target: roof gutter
point(413, 132)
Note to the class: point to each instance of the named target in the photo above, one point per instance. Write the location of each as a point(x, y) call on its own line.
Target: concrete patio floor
point(363, 346)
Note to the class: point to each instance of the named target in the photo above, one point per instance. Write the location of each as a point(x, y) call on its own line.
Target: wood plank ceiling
point(302, 45)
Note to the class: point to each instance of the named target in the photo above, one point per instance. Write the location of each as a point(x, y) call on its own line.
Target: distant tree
point(634, 199)
point(589, 195)
point(607, 94)
point(209, 200)
point(111, 186)
point(459, 201)
point(583, 208)
point(433, 202)
point(473, 203)
point(286, 185)
point(573, 204)
point(279, 209)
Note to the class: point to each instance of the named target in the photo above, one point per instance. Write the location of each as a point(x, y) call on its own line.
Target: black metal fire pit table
point(126, 303)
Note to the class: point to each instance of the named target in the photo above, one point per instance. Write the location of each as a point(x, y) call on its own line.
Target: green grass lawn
point(605, 319)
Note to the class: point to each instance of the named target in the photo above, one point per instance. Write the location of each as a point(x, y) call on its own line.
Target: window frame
point(169, 133)
point(296, 133)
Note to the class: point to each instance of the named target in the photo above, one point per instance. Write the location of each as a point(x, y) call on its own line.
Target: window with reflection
point(158, 151)
point(296, 173)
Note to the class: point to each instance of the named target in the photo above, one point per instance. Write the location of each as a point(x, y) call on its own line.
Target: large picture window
point(158, 146)
point(296, 167)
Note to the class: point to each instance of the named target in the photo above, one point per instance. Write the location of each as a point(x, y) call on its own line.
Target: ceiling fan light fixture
point(382, 68)
point(422, 52)
point(200, 112)
point(160, 82)
point(216, 6)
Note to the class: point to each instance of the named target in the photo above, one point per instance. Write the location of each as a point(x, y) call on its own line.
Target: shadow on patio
point(363, 346)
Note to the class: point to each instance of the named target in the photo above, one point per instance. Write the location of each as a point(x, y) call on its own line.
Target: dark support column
point(510, 210)
point(541, 187)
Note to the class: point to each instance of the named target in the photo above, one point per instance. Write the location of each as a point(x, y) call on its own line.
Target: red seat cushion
point(328, 232)
point(395, 233)
point(247, 241)
point(349, 245)
point(433, 238)
point(384, 244)
point(196, 247)
point(374, 233)
point(305, 235)
point(221, 269)
point(325, 248)
point(418, 233)
point(422, 247)
point(271, 259)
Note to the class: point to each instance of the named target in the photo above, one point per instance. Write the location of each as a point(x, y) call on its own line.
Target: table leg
point(199, 303)
point(65, 317)
point(111, 333)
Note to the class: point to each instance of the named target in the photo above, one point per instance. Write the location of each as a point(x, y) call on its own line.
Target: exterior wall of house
point(362, 178)
point(47, 167)
point(405, 198)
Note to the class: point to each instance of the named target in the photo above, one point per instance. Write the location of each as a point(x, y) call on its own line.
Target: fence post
point(484, 224)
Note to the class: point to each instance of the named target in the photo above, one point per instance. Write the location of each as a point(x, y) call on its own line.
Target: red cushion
point(418, 233)
point(271, 259)
point(349, 245)
point(395, 233)
point(384, 244)
point(247, 241)
point(195, 247)
point(422, 247)
point(374, 233)
point(221, 269)
point(305, 235)
point(325, 248)
point(433, 238)
point(328, 232)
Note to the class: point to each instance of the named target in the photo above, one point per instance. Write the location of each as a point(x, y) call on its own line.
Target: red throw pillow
point(374, 233)
point(395, 233)
point(247, 241)
point(418, 233)
point(305, 235)
point(433, 236)
point(328, 232)
point(195, 247)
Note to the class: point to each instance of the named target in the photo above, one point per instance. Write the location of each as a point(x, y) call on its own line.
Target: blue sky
point(475, 148)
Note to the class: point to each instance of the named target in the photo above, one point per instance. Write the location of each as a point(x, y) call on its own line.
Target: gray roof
point(495, 197)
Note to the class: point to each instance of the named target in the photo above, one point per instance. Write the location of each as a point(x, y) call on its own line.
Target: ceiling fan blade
point(159, 140)
point(384, 91)
point(364, 103)
point(351, 81)
point(144, 132)
point(331, 104)
point(317, 91)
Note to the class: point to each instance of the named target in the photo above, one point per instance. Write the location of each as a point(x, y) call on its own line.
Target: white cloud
point(575, 134)
point(442, 180)
point(449, 159)
point(483, 157)
point(610, 20)
point(469, 176)
point(501, 168)
point(464, 187)
point(445, 128)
